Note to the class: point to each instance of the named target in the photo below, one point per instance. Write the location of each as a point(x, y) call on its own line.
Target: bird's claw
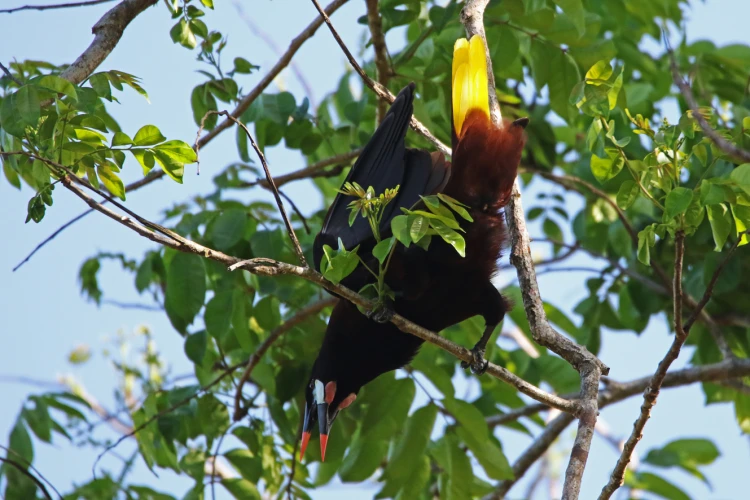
point(382, 312)
point(478, 364)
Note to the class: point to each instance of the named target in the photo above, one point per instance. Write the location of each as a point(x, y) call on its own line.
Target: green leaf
point(607, 168)
point(404, 460)
point(242, 65)
point(473, 431)
point(338, 264)
point(457, 473)
point(646, 239)
point(20, 441)
point(58, 85)
point(228, 228)
point(566, 76)
point(100, 83)
point(186, 289)
point(121, 139)
point(27, 105)
point(242, 489)
point(169, 165)
point(178, 150)
point(145, 158)
point(418, 226)
point(741, 176)
point(627, 194)
point(677, 202)
point(148, 135)
point(721, 224)
point(456, 205)
point(599, 73)
point(655, 484)
point(195, 347)
point(687, 454)
point(383, 248)
point(574, 10)
point(741, 214)
point(218, 316)
point(111, 181)
point(449, 236)
point(400, 230)
point(182, 34)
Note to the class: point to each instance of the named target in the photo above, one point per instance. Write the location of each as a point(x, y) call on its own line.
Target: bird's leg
point(492, 307)
point(382, 311)
point(479, 365)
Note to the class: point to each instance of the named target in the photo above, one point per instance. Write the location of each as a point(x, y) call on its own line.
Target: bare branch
point(296, 319)
point(54, 6)
point(314, 170)
point(590, 376)
point(381, 91)
point(375, 23)
point(652, 391)
point(107, 33)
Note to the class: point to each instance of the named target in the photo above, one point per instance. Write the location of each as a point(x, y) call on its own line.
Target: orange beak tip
point(323, 444)
point(303, 446)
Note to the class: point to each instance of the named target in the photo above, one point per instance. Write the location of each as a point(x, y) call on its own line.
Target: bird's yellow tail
point(469, 80)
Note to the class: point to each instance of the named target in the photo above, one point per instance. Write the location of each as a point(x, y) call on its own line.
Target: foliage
point(595, 106)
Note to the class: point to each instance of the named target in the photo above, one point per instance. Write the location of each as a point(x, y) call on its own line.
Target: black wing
point(384, 163)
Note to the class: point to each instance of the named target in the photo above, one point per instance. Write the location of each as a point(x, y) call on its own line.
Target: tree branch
point(652, 391)
point(54, 6)
point(269, 267)
point(615, 392)
point(9, 75)
point(375, 24)
point(588, 365)
point(381, 91)
point(294, 320)
point(107, 33)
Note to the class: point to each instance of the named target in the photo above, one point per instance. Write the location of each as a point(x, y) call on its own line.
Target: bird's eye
point(485, 208)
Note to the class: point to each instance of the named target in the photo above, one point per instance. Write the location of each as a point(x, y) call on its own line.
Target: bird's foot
point(478, 364)
point(382, 312)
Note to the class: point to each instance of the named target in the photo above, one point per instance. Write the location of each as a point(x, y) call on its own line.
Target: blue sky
point(42, 316)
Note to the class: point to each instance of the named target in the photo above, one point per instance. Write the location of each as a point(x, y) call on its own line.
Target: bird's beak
point(323, 426)
point(521, 122)
point(310, 417)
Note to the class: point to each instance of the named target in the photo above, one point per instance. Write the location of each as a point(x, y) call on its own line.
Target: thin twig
point(28, 474)
point(54, 6)
point(313, 170)
point(260, 33)
point(375, 23)
point(723, 144)
point(34, 469)
point(296, 211)
point(711, 284)
point(269, 179)
point(652, 392)
point(300, 316)
point(8, 73)
point(381, 91)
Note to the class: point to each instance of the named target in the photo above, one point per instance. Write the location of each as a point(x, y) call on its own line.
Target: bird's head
point(324, 398)
point(485, 155)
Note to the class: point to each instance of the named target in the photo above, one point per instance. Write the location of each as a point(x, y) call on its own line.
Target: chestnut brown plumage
point(436, 288)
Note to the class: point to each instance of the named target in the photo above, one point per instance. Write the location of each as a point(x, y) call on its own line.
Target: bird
point(434, 288)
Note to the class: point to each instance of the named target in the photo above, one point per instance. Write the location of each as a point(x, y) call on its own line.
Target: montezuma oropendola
point(436, 288)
